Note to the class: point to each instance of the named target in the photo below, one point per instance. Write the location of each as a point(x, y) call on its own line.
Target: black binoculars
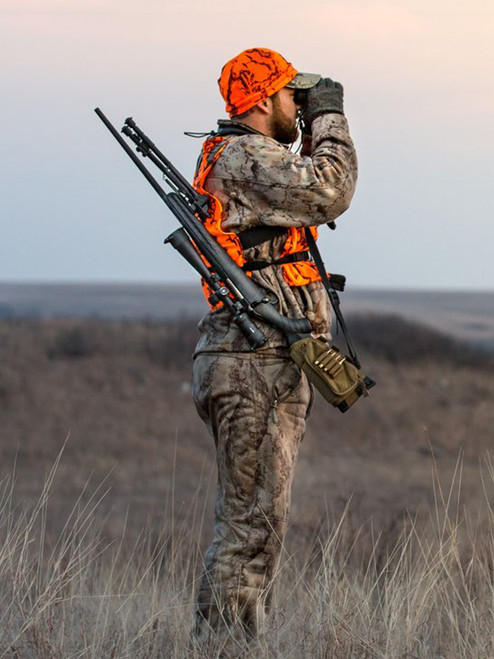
point(300, 97)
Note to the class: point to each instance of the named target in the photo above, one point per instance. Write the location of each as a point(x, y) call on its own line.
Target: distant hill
point(465, 315)
point(111, 301)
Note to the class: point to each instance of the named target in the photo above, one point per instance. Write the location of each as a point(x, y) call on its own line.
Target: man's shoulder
point(242, 149)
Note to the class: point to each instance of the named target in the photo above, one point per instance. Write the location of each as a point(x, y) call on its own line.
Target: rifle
point(241, 296)
point(337, 377)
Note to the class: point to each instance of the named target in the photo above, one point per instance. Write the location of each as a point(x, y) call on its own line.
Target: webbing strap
point(257, 235)
point(250, 266)
point(333, 295)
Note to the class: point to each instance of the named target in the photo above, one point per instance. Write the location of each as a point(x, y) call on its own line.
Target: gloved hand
point(325, 97)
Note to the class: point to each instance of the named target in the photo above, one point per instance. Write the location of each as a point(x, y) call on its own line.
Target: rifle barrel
point(136, 160)
point(171, 171)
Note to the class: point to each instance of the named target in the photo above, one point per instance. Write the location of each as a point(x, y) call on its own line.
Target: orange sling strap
point(298, 273)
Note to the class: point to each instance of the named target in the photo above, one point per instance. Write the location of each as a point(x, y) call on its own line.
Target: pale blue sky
point(419, 90)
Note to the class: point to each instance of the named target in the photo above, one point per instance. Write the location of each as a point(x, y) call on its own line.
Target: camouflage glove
point(325, 97)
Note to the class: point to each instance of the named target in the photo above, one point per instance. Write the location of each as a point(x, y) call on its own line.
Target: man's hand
point(325, 97)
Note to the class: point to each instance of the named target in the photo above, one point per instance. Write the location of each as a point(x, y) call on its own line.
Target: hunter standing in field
point(255, 404)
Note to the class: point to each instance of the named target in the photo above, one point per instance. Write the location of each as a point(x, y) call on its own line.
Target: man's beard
point(283, 129)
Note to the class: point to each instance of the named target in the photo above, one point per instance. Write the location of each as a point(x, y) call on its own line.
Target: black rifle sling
point(332, 294)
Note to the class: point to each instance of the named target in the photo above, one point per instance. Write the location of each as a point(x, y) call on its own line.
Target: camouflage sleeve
point(259, 181)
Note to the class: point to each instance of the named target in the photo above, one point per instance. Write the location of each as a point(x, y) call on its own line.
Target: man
point(262, 197)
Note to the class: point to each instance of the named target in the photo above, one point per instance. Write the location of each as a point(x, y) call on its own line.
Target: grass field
point(108, 486)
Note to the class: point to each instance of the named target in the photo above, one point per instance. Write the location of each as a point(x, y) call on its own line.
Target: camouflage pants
point(255, 407)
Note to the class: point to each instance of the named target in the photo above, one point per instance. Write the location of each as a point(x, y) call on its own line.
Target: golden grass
point(382, 559)
point(429, 594)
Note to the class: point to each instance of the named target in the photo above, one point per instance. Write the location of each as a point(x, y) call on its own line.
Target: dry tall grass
point(390, 551)
point(428, 595)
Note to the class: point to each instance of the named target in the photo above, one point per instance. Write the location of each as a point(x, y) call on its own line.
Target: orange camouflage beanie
point(251, 77)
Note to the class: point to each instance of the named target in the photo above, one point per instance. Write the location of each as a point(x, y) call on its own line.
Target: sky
point(419, 97)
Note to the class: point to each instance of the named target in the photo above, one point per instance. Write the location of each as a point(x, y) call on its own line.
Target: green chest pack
point(333, 374)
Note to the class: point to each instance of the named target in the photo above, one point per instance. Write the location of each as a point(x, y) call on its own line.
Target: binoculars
point(300, 97)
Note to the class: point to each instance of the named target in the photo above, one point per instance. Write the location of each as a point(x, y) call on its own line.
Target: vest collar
point(232, 127)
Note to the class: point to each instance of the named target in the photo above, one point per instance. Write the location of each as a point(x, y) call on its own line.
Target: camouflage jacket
point(260, 182)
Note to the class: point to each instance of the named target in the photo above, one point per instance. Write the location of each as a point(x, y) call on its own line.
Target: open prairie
point(468, 315)
point(389, 551)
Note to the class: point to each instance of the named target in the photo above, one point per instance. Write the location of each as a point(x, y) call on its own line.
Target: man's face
point(283, 126)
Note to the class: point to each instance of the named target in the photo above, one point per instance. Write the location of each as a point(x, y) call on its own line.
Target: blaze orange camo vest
point(299, 273)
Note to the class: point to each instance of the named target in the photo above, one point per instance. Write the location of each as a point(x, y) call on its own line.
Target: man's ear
point(266, 106)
